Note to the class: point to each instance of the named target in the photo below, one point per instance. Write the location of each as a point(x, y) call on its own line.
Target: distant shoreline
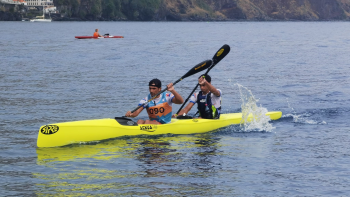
point(189, 10)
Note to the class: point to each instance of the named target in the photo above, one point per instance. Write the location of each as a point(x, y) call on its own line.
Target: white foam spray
point(253, 116)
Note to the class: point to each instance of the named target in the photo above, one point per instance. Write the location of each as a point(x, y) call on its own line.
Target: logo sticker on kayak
point(150, 128)
point(49, 129)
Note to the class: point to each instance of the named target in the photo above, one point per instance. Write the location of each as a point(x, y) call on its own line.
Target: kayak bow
point(60, 134)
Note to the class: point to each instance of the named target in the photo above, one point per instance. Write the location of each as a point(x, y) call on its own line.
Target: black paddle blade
point(222, 52)
point(198, 68)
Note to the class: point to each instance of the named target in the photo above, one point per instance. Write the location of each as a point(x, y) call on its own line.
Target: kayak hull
point(91, 37)
point(60, 134)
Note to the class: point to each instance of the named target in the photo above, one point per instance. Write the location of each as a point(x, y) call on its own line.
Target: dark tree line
point(109, 9)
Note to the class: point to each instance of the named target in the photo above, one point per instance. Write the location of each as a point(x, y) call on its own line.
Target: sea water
point(299, 68)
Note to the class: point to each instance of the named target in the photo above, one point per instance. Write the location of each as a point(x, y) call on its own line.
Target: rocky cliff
point(184, 10)
point(202, 10)
point(255, 10)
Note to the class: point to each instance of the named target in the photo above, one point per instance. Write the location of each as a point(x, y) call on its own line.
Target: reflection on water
point(101, 151)
point(135, 165)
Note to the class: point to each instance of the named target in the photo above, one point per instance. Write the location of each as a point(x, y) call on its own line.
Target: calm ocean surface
point(299, 68)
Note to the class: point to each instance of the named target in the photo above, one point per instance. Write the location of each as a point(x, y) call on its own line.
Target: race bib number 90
point(156, 110)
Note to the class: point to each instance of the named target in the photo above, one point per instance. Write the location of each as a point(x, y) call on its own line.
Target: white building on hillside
point(39, 2)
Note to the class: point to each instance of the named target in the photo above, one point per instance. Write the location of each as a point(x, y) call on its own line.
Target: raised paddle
point(219, 55)
point(198, 68)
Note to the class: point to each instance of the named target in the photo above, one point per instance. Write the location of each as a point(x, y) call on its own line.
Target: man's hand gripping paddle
point(219, 55)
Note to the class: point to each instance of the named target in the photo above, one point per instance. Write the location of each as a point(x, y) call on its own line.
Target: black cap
point(155, 82)
point(207, 77)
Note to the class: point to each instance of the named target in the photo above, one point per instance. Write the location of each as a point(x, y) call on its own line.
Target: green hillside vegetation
point(183, 10)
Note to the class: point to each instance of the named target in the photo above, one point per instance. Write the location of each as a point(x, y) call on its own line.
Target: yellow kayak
point(60, 134)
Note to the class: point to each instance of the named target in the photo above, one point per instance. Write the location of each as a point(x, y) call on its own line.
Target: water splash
point(253, 116)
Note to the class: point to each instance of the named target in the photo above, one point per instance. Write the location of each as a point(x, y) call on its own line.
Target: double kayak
point(91, 37)
point(60, 134)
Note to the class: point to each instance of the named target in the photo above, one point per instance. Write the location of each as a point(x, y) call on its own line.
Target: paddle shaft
point(199, 67)
point(219, 55)
point(155, 96)
point(194, 89)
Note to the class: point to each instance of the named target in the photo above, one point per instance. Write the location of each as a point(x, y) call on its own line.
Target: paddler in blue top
point(159, 109)
point(208, 100)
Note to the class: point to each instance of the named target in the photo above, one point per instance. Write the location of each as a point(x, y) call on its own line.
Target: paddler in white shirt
point(159, 109)
point(208, 100)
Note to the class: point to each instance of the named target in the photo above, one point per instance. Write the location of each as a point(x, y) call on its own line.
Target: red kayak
point(91, 37)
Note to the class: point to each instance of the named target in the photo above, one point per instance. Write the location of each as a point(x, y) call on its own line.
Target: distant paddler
point(96, 34)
